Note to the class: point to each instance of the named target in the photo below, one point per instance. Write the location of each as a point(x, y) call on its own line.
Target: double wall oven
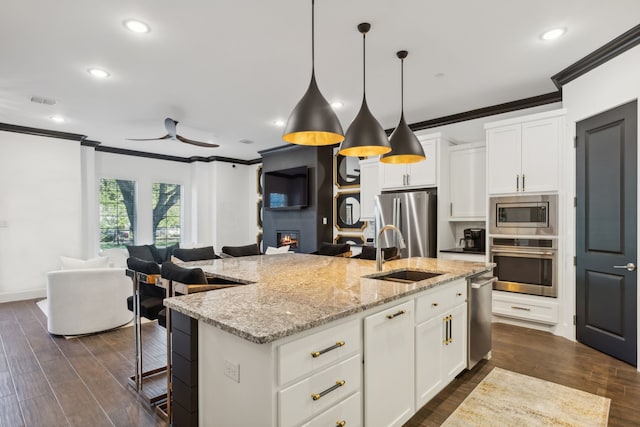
point(523, 243)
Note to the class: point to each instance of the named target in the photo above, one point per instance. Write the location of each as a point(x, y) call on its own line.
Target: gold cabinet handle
point(337, 385)
point(341, 423)
point(400, 313)
point(520, 308)
point(318, 353)
point(434, 304)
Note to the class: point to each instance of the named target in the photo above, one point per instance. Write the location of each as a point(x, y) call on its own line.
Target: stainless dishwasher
point(479, 318)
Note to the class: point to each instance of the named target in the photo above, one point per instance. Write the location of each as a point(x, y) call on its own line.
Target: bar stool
point(145, 302)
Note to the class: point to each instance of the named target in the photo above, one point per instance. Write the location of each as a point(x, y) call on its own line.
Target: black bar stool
point(146, 302)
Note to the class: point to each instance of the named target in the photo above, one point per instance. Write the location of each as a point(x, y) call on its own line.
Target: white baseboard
point(22, 295)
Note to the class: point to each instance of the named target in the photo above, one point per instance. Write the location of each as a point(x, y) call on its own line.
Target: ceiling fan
point(170, 125)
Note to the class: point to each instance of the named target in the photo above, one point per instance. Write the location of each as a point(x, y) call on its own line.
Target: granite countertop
point(462, 251)
point(288, 293)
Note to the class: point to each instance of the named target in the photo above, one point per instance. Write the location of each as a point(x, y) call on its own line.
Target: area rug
point(43, 305)
point(505, 398)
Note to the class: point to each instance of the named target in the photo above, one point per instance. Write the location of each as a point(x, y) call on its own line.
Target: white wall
point(610, 85)
point(234, 200)
point(40, 211)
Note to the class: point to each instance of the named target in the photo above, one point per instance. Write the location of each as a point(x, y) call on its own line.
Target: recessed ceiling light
point(57, 119)
point(136, 26)
point(337, 105)
point(98, 73)
point(553, 34)
point(279, 123)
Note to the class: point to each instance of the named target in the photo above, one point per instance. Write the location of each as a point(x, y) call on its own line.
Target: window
point(166, 214)
point(117, 213)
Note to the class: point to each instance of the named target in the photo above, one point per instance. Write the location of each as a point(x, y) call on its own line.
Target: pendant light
point(313, 121)
point(404, 144)
point(365, 136)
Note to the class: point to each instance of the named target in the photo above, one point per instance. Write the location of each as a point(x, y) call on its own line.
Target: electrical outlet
point(232, 370)
point(324, 220)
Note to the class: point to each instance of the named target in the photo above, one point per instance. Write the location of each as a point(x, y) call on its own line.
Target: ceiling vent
point(41, 100)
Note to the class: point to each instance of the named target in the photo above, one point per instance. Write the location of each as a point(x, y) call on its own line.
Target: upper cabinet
point(467, 177)
point(414, 175)
point(523, 154)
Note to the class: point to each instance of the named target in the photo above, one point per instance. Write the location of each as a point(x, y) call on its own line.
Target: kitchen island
point(310, 338)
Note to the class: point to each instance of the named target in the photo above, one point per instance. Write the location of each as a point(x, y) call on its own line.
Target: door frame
point(568, 187)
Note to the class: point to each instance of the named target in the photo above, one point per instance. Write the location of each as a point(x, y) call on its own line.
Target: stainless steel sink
point(404, 276)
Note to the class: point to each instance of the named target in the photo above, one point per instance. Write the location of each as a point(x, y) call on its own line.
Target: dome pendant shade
point(406, 147)
point(365, 136)
point(313, 121)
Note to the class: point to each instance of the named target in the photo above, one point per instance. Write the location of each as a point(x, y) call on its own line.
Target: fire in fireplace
point(290, 238)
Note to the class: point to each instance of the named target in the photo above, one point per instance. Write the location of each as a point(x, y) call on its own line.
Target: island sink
point(405, 276)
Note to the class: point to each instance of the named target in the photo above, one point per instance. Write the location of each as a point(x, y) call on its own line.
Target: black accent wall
point(307, 220)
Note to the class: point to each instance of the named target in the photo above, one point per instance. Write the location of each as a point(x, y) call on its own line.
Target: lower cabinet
point(388, 366)
point(441, 342)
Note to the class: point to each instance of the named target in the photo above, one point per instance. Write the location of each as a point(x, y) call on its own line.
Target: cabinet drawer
point(296, 403)
point(521, 308)
point(295, 358)
point(439, 300)
point(348, 411)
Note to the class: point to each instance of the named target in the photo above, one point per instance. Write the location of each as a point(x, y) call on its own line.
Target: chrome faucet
point(401, 244)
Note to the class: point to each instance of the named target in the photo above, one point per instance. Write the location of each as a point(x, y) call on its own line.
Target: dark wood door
point(606, 216)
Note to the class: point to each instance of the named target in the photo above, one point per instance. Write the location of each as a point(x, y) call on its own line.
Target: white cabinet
point(389, 366)
point(525, 307)
point(440, 339)
point(523, 155)
point(414, 175)
point(321, 372)
point(369, 187)
point(467, 178)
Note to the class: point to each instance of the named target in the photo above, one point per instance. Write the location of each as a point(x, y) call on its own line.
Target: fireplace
point(288, 237)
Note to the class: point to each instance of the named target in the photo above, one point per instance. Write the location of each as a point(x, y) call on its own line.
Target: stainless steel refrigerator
point(415, 214)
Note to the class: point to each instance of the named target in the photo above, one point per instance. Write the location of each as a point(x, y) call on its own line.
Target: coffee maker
point(474, 239)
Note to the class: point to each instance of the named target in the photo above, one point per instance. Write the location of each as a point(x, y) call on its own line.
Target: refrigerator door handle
point(398, 223)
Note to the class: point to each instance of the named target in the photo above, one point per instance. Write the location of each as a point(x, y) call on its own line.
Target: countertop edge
point(177, 305)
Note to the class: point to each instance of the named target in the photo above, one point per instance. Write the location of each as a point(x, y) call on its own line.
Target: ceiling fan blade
point(149, 139)
point(170, 125)
point(198, 143)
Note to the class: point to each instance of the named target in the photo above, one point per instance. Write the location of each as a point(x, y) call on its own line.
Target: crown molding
point(534, 101)
point(42, 132)
point(598, 57)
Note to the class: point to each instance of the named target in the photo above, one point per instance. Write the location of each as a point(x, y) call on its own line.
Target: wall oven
point(532, 215)
point(527, 266)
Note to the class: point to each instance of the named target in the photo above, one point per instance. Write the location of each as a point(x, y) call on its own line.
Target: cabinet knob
point(341, 423)
point(434, 304)
point(459, 294)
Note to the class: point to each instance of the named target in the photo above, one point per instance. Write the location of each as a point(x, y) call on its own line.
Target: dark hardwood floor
point(548, 357)
point(49, 381)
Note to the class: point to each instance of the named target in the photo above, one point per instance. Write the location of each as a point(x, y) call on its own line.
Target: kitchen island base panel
point(224, 402)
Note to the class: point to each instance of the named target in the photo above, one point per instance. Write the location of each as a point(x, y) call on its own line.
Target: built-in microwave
point(531, 214)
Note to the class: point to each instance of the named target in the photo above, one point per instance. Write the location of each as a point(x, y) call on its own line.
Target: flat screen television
point(286, 188)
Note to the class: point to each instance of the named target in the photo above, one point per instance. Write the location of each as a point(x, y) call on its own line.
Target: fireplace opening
point(290, 238)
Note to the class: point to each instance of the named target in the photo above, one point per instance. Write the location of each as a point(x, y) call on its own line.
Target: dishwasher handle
point(484, 282)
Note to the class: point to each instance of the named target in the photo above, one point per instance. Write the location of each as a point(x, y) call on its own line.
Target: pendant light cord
point(313, 41)
point(402, 86)
point(364, 65)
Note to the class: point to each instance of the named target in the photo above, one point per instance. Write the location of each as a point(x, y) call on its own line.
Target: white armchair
point(87, 300)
